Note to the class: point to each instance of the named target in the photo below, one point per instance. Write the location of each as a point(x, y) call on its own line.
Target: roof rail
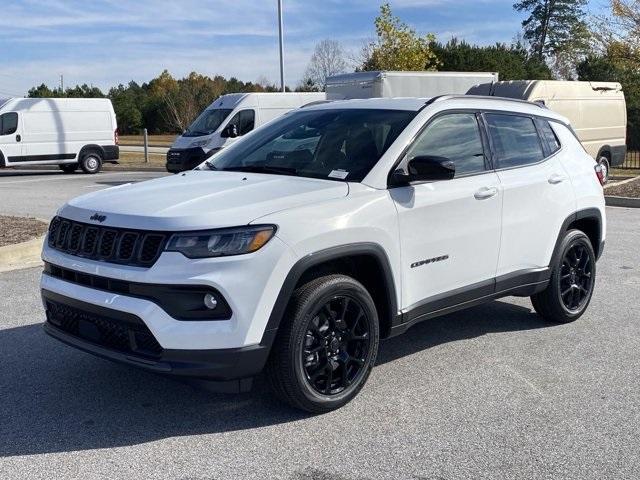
point(315, 102)
point(487, 97)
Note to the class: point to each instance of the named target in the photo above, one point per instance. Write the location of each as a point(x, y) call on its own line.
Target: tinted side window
point(515, 140)
point(247, 121)
point(455, 136)
point(244, 120)
point(549, 136)
point(8, 123)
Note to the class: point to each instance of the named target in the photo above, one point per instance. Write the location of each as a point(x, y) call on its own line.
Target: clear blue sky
point(106, 42)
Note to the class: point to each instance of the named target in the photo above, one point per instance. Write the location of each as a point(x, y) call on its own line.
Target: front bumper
point(181, 159)
point(123, 338)
point(250, 284)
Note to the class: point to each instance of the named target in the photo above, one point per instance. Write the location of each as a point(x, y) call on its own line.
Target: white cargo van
point(68, 132)
point(596, 110)
point(228, 118)
point(403, 84)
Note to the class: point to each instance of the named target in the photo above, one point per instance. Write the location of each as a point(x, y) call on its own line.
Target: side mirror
point(230, 131)
point(425, 168)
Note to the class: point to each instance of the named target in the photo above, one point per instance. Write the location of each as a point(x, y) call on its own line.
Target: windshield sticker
point(341, 174)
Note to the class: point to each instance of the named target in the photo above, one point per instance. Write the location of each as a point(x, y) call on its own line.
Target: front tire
point(326, 345)
point(572, 281)
point(91, 162)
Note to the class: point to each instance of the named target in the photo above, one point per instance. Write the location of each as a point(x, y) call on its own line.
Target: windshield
point(208, 122)
point(332, 144)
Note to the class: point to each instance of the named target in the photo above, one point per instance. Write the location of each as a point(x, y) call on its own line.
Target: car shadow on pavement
point(56, 399)
point(494, 317)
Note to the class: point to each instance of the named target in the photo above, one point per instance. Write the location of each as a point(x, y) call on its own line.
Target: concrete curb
point(21, 255)
point(628, 202)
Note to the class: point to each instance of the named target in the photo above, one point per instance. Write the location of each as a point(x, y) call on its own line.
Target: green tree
point(556, 30)
point(42, 91)
point(398, 46)
point(127, 102)
point(512, 62)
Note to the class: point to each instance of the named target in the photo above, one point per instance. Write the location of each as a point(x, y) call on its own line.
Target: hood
point(206, 142)
point(198, 200)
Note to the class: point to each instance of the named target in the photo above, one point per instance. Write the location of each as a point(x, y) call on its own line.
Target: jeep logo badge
point(98, 218)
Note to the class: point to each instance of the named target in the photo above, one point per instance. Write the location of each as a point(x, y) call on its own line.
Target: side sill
point(521, 284)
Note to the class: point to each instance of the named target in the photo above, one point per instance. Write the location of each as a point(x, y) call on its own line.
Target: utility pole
point(281, 46)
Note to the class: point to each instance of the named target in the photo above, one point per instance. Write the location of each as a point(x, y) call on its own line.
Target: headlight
point(222, 242)
point(200, 143)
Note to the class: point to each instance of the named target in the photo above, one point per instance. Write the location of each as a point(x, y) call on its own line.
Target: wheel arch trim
point(91, 147)
point(322, 256)
point(588, 213)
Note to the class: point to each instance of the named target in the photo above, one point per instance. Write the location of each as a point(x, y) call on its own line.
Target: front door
point(10, 139)
point(449, 229)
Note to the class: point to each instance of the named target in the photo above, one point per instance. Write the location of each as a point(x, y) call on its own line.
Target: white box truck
point(228, 118)
point(69, 132)
point(597, 111)
point(403, 84)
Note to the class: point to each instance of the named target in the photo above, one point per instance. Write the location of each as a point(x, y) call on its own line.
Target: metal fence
point(632, 160)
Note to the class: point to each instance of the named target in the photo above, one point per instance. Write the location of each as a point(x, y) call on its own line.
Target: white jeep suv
point(301, 246)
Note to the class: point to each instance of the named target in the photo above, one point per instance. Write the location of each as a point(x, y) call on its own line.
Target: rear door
point(538, 195)
point(449, 229)
point(10, 137)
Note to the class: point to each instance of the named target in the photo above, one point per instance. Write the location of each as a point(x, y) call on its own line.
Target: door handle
point(18, 138)
point(556, 178)
point(485, 192)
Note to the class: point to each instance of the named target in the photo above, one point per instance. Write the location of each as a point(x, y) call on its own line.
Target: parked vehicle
point(298, 248)
point(597, 111)
point(69, 132)
point(403, 84)
point(228, 118)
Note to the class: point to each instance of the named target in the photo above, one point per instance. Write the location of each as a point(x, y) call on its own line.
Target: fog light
point(210, 301)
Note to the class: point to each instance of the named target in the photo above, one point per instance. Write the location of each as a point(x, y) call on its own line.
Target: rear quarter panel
point(580, 168)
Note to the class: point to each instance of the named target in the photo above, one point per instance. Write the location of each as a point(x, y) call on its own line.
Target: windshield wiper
point(196, 133)
point(210, 164)
point(263, 169)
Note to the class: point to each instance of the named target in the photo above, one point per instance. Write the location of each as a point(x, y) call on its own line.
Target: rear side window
point(549, 136)
point(515, 140)
point(8, 123)
point(455, 136)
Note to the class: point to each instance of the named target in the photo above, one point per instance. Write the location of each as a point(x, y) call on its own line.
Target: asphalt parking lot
point(39, 193)
point(492, 392)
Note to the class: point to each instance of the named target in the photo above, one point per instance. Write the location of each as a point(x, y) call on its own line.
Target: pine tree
point(554, 27)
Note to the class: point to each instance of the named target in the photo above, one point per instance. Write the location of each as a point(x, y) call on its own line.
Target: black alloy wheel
point(336, 345)
point(326, 345)
point(576, 279)
point(570, 288)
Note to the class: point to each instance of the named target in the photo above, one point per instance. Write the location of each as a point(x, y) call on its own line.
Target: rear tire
point(68, 167)
point(326, 345)
point(91, 162)
point(572, 281)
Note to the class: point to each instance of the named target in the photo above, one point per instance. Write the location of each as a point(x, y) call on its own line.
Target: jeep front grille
point(114, 245)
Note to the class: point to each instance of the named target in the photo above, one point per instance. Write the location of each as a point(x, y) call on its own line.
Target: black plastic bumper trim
point(217, 364)
point(181, 302)
point(111, 153)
